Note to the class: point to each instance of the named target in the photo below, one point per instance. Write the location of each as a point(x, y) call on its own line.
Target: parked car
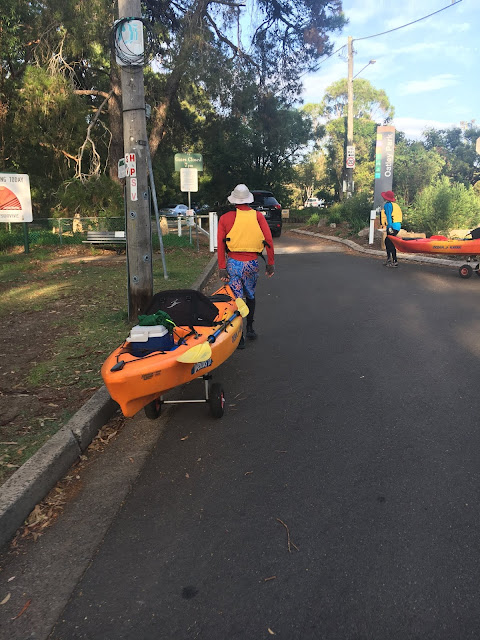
point(314, 202)
point(266, 203)
point(202, 209)
point(174, 210)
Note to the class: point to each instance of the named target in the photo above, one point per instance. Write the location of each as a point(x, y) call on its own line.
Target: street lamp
point(368, 63)
point(350, 154)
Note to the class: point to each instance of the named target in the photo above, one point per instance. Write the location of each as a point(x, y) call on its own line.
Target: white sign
point(350, 151)
point(189, 213)
point(350, 162)
point(122, 170)
point(133, 189)
point(15, 198)
point(131, 165)
point(189, 180)
point(129, 43)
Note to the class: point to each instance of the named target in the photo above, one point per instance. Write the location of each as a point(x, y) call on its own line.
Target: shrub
point(314, 219)
point(443, 206)
point(355, 211)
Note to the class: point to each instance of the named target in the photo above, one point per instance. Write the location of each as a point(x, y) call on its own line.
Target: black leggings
point(390, 247)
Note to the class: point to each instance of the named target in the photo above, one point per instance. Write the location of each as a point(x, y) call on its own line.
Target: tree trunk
point(160, 114)
point(115, 121)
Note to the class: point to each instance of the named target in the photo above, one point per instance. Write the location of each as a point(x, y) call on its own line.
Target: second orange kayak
point(437, 244)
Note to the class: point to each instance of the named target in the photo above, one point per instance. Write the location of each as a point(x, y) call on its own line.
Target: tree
point(415, 168)
point(369, 105)
point(457, 147)
point(59, 53)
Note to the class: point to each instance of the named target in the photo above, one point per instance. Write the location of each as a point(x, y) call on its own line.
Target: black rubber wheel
point(465, 271)
point(216, 400)
point(153, 409)
point(477, 271)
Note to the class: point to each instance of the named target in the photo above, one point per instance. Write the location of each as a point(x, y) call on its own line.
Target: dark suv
point(266, 203)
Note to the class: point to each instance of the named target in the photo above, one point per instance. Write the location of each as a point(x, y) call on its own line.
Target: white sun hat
point(241, 195)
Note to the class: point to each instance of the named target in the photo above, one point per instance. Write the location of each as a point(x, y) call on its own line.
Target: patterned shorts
point(243, 277)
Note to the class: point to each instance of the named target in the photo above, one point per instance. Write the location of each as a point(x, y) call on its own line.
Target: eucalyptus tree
point(60, 90)
point(370, 106)
point(457, 148)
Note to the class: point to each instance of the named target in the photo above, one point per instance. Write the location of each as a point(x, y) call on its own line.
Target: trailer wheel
point(216, 400)
point(465, 271)
point(153, 409)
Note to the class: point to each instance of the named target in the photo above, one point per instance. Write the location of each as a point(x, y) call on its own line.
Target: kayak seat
point(186, 307)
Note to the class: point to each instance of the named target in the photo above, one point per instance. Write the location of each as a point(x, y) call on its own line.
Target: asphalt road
point(338, 496)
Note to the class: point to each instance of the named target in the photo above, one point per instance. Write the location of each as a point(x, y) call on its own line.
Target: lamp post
point(350, 150)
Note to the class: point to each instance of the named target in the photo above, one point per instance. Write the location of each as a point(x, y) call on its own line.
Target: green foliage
point(368, 103)
point(100, 197)
point(457, 148)
point(415, 167)
point(444, 206)
point(355, 211)
point(314, 219)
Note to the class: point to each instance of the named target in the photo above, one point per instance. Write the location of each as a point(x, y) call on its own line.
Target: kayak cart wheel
point(216, 400)
point(465, 271)
point(153, 409)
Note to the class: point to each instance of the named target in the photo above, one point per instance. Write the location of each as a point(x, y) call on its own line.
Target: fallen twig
point(290, 544)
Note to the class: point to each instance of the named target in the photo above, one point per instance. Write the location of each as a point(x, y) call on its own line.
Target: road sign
point(188, 180)
point(188, 161)
point(133, 190)
point(131, 165)
point(351, 151)
point(350, 162)
point(122, 170)
point(15, 198)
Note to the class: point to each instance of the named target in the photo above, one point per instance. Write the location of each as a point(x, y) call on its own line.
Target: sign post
point(384, 153)
point(189, 164)
point(189, 183)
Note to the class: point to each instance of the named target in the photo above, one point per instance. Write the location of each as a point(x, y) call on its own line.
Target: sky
point(429, 70)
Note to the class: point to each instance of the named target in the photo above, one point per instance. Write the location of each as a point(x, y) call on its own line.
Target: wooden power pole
point(138, 222)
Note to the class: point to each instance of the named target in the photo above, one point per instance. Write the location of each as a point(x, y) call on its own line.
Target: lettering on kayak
point(235, 336)
point(148, 376)
point(446, 246)
point(198, 366)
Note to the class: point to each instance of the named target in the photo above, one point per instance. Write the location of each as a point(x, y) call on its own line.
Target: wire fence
point(63, 231)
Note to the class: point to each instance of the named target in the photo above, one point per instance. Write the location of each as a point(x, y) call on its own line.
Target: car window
point(270, 200)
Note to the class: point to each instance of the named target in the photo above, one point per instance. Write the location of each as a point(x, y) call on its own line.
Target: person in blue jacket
point(391, 217)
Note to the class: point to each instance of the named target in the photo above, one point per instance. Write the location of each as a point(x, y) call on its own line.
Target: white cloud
point(434, 83)
point(413, 128)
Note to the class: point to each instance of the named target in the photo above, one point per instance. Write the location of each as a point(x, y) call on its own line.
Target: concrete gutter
point(32, 482)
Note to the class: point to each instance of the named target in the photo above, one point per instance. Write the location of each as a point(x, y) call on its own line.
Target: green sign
point(188, 161)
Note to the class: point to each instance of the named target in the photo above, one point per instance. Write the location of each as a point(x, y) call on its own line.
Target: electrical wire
point(408, 23)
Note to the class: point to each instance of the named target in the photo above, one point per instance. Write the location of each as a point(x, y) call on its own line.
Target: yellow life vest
point(246, 234)
point(396, 214)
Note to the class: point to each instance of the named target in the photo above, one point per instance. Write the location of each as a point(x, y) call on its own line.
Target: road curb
point(36, 477)
point(376, 252)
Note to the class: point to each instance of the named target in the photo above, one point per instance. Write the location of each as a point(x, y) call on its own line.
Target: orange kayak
point(437, 244)
point(135, 379)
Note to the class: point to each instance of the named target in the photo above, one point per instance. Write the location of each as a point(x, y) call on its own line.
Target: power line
point(409, 23)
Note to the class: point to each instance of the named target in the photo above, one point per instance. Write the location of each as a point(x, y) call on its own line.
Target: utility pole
point(349, 169)
point(138, 223)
